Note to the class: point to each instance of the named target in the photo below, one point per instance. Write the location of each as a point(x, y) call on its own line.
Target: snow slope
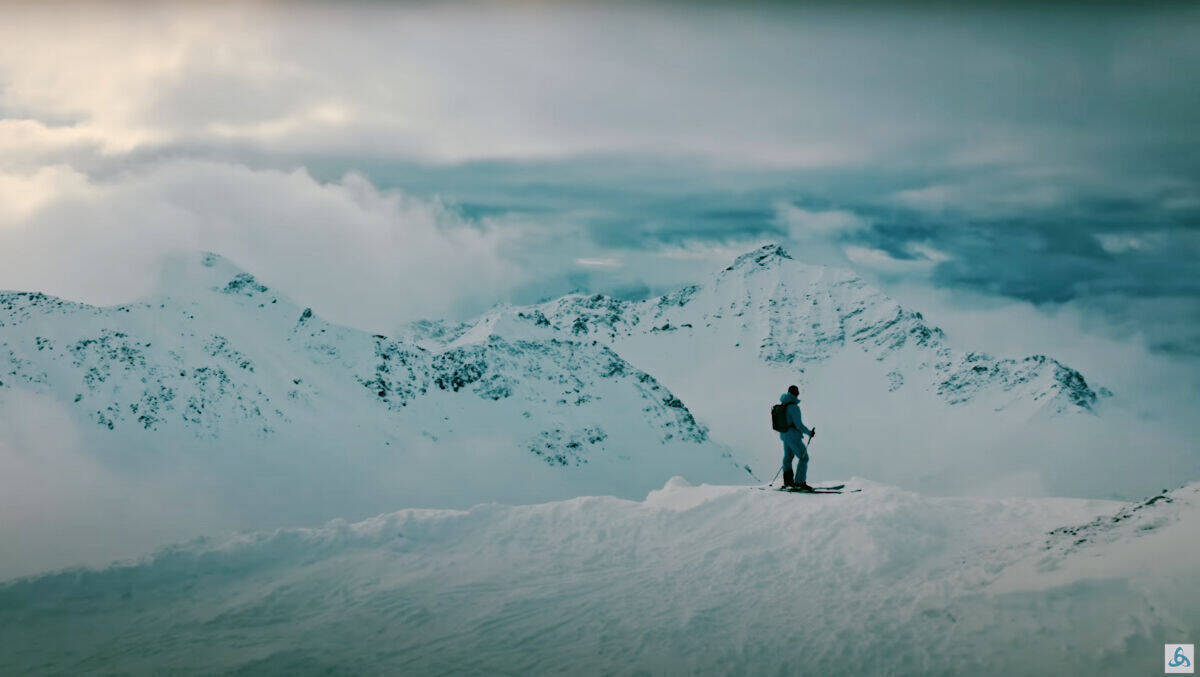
point(697, 580)
point(225, 399)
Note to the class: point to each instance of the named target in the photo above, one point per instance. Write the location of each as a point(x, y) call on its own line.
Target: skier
point(793, 441)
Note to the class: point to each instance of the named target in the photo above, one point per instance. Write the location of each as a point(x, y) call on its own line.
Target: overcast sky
point(385, 162)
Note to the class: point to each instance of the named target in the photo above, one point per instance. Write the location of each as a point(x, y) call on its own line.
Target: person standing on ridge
point(792, 431)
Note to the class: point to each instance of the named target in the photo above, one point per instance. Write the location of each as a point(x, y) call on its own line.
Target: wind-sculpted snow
point(692, 580)
point(1131, 521)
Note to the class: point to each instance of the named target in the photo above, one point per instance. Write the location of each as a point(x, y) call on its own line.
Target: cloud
point(929, 198)
point(32, 144)
point(599, 263)
point(361, 256)
point(1115, 342)
point(803, 224)
point(928, 253)
point(874, 258)
point(992, 195)
point(782, 87)
point(1113, 349)
point(1004, 146)
point(22, 195)
point(63, 507)
point(922, 260)
point(1119, 243)
point(1028, 175)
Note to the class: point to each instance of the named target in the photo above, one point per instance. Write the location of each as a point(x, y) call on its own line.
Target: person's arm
point(796, 421)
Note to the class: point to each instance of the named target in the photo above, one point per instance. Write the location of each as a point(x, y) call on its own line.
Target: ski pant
point(796, 449)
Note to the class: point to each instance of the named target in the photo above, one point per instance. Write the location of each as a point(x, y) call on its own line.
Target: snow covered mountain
point(220, 387)
point(886, 389)
point(219, 404)
point(797, 315)
point(692, 580)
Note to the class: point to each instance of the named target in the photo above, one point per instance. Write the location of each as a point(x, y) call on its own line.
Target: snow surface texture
point(692, 580)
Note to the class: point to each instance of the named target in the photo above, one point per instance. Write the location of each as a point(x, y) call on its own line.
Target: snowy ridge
point(704, 579)
point(200, 380)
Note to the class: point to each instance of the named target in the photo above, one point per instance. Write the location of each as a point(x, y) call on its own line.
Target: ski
point(816, 490)
point(820, 491)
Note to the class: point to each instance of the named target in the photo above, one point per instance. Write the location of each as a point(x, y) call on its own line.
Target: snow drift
point(693, 579)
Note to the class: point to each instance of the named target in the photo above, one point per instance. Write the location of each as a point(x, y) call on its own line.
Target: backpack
point(779, 418)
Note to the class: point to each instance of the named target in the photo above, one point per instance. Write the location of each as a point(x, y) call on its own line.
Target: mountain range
point(218, 395)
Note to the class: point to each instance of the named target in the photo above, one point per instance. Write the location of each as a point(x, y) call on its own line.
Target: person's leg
point(787, 465)
point(802, 465)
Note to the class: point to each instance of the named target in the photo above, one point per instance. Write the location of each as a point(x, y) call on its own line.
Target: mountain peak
point(763, 257)
point(186, 274)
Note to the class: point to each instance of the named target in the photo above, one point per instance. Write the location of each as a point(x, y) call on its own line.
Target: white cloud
point(456, 82)
point(882, 261)
point(608, 262)
point(62, 507)
point(709, 252)
point(1120, 243)
point(927, 252)
point(1011, 193)
point(23, 194)
point(803, 224)
point(934, 198)
point(879, 261)
point(356, 254)
point(32, 144)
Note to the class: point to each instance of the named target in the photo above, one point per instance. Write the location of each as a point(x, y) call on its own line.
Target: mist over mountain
point(218, 403)
point(442, 338)
point(225, 406)
point(887, 389)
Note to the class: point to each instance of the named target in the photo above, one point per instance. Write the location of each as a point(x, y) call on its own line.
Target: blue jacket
point(797, 432)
